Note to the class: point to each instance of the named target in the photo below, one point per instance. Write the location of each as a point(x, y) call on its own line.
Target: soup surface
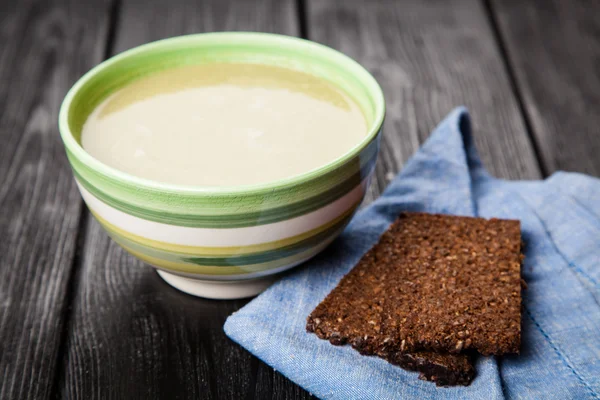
point(223, 125)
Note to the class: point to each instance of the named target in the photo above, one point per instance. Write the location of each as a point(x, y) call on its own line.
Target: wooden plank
point(145, 21)
point(430, 56)
point(554, 48)
point(132, 335)
point(44, 47)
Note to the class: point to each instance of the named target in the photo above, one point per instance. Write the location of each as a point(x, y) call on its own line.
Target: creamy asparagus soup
point(223, 124)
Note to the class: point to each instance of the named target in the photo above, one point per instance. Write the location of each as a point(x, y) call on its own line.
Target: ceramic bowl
point(224, 242)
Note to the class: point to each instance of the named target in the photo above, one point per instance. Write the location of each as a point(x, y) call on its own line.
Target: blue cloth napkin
point(560, 219)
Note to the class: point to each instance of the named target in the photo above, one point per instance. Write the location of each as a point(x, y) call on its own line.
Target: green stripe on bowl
point(223, 251)
point(204, 271)
point(228, 260)
point(222, 212)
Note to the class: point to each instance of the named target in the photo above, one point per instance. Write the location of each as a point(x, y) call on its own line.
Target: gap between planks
point(510, 72)
point(80, 238)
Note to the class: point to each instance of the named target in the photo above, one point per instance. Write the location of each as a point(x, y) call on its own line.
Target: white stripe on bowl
point(225, 237)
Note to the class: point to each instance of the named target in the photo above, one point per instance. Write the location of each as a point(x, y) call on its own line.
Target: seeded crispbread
point(361, 329)
point(442, 368)
point(432, 283)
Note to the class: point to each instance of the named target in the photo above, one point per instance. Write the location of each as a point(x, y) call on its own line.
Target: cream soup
point(223, 125)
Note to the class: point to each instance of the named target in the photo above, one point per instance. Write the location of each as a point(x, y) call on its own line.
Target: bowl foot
point(222, 290)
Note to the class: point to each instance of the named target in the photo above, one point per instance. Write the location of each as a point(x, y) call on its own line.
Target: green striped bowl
point(223, 242)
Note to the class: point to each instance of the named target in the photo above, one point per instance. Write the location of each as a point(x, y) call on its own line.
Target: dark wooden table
point(79, 318)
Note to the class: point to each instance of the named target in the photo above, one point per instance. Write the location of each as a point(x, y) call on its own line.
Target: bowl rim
point(341, 61)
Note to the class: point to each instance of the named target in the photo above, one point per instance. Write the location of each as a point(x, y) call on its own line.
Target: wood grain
point(554, 49)
point(44, 47)
point(132, 335)
point(143, 21)
point(430, 56)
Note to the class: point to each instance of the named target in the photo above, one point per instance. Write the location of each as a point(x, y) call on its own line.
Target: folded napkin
point(560, 220)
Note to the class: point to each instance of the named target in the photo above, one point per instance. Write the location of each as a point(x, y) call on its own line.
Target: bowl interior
point(269, 49)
